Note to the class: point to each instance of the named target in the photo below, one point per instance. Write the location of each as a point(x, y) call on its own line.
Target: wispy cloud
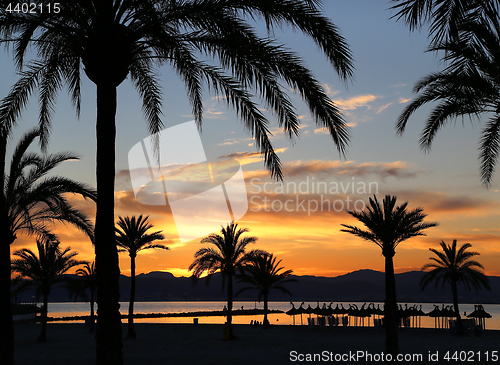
point(383, 107)
point(398, 169)
point(355, 102)
point(229, 142)
point(330, 91)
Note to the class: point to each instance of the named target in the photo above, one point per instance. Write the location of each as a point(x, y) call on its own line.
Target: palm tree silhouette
point(28, 201)
point(113, 39)
point(44, 270)
point(387, 227)
point(227, 257)
point(131, 237)
point(263, 274)
point(467, 87)
point(454, 266)
point(446, 17)
point(87, 280)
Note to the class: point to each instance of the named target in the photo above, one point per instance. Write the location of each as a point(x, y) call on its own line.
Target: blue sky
point(388, 60)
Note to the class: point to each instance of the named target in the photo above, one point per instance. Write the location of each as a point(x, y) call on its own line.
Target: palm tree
point(467, 87)
point(89, 277)
point(263, 274)
point(387, 227)
point(131, 237)
point(209, 43)
point(87, 280)
point(44, 270)
point(28, 202)
point(227, 257)
point(454, 266)
point(446, 17)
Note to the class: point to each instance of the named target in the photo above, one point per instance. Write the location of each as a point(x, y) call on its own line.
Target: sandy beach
point(203, 343)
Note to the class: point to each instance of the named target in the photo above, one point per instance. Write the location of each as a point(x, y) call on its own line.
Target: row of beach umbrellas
point(412, 313)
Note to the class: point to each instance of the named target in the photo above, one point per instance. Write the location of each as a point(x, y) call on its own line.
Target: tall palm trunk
point(230, 304)
point(391, 307)
point(454, 290)
point(43, 332)
point(6, 322)
point(109, 333)
point(266, 322)
point(131, 331)
point(92, 317)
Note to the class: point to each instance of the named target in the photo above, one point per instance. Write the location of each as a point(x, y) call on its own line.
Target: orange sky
point(311, 243)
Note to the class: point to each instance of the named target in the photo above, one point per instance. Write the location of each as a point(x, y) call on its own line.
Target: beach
point(72, 344)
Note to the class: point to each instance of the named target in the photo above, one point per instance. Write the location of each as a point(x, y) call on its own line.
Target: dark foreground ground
point(71, 344)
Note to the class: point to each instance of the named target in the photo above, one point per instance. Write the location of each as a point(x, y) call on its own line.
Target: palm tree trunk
point(391, 308)
point(460, 326)
point(6, 323)
point(43, 331)
point(109, 332)
point(266, 322)
point(92, 317)
point(131, 331)
point(230, 304)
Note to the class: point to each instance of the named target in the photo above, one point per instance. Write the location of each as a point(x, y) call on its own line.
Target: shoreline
point(237, 312)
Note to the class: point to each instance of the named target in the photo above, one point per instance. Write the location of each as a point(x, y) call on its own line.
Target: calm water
point(80, 309)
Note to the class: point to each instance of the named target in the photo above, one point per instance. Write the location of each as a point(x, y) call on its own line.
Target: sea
point(67, 309)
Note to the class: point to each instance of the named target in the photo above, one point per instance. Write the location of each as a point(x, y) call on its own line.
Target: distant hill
point(357, 286)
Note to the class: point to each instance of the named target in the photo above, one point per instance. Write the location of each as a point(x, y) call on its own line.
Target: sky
point(318, 183)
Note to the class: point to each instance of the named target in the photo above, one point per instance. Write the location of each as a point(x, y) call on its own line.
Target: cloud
point(321, 169)
point(249, 157)
point(355, 102)
point(439, 202)
point(321, 131)
point(403, 101)
point(330, 90)
point(398, 169)
point(229, 142)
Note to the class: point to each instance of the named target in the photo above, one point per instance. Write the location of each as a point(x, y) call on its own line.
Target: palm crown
point(452, 265)
point(88, 274)
point(114, 39)
point(45, 269)
point(31, 199)
point(263, 273)
point(389, 225)
point(445, 16)
point(131, 235)
point(468, 86)
point(228, 255)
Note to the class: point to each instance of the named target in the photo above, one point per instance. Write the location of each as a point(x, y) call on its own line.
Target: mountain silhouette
point(358, 286)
